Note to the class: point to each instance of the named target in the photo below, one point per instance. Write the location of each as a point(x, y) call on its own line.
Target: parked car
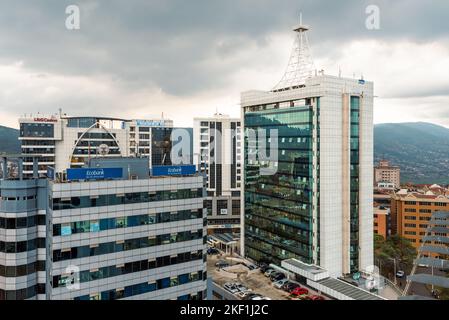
point(221, 264)
point(290, 286)
point(299, 291)
point(249, 295)
point(263, 267)
point(274, 273)
point(244, 294)
point(251, 266)
point(316, 297)
point(241, 287)
point(400, 274)
point(212, 251)
point(269, 272)
point(277, 276)
point(278, 284)
point(260, 298)
point(231, 287)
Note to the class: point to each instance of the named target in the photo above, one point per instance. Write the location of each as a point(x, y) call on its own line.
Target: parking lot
point(251, 279)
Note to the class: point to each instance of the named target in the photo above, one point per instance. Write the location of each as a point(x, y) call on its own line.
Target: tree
point(394, 248)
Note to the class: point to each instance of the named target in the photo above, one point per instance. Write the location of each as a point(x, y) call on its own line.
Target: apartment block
point(386, 175)
point(411, 211)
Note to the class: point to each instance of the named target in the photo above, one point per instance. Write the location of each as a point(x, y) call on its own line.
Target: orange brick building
point(381, 223)
point(411, 211)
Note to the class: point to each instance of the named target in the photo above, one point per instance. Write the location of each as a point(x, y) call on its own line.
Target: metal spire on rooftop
point(300, 66)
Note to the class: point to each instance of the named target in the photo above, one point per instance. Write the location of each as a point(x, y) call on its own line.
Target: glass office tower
point(317, 206)
point(278, 208)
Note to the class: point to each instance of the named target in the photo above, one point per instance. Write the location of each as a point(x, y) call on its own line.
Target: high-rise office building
point(112, 231)
point(316, 205)
point(69, 142)
point(217, 147)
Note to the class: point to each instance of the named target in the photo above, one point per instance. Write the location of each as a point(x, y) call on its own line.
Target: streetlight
point(394, 275)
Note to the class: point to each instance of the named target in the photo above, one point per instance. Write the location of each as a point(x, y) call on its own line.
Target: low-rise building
point(382, 223)
point(386, 173)
point(411, 211)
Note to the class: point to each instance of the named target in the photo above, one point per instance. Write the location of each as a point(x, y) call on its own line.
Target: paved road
point(420, 289)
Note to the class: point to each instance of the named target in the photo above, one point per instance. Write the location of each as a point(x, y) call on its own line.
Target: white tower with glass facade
point(317, 207)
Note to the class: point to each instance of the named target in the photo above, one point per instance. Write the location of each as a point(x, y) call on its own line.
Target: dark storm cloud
point(184, 47)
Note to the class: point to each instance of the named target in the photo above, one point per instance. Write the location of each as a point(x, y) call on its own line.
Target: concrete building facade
point(217, 142)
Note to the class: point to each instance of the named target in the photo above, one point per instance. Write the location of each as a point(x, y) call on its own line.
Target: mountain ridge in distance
point(421, 149)
point(9, 142)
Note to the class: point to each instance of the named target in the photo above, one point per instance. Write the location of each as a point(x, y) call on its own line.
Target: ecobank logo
point(95, 174)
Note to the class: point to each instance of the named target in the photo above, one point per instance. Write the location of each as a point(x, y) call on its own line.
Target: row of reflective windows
point(22, 270)
point(287, 206)
point(282, 130)
point(93, 151)
point(278, 214)
point(274, 239)
point(20, 223)
point(284, 116)
point(126, 198)
point(130, 244)
point(38, 142)
point(284, 228)
point(37, 130)
point(22, 294)
point(66, 229)
point(22, 246)
point(4, 198)
point(130, 267)
point(96, 135)
point(146, 287)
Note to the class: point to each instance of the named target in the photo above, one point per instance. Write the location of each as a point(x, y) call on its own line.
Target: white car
point(242, 288)
point(400, 274)
point(230, 287)
point(280, 283)
point(269, 272)
point(260, 298)
point(243, 294)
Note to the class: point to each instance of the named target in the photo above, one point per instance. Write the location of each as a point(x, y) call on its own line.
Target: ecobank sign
point(173, 170)
point(94, 173)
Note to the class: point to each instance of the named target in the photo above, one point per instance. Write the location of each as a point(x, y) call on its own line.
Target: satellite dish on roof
point(103, 149)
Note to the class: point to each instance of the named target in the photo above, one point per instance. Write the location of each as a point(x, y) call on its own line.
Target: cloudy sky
point(186, 58)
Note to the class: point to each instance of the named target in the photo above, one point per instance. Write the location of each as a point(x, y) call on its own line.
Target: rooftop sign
point(45, 120)
point(94, 173)
point(173, 170)
point(150, 123)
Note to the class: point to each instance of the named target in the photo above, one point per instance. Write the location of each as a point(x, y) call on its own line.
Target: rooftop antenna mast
point(300, 66)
